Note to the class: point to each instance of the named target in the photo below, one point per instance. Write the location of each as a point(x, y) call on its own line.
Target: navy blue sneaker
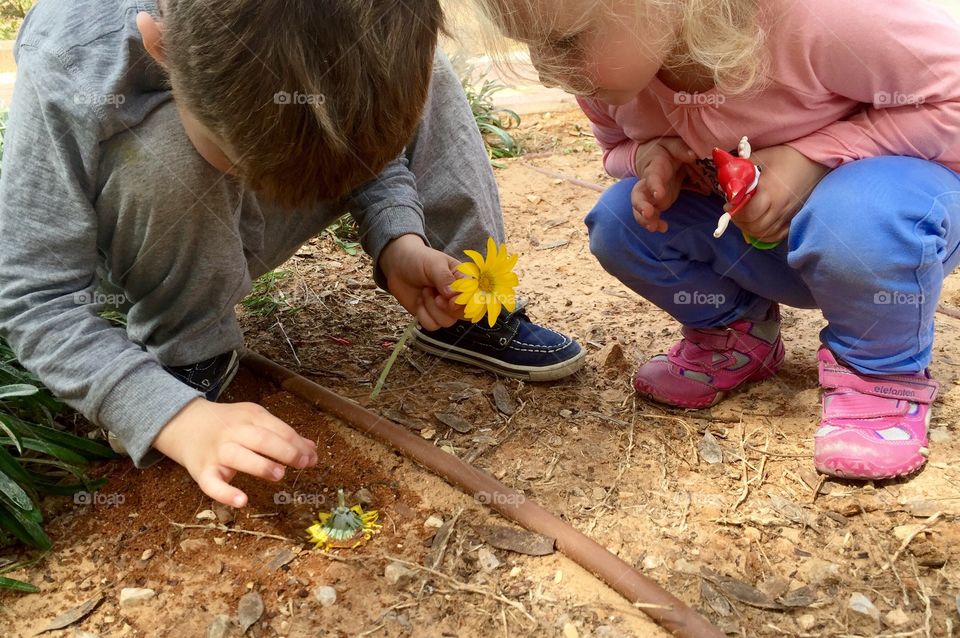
point(210, 377)
point(514, 347)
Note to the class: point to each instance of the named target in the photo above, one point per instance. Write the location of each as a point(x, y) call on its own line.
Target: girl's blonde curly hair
point(725, 36)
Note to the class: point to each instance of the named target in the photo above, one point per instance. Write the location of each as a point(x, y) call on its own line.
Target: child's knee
point(610, 223)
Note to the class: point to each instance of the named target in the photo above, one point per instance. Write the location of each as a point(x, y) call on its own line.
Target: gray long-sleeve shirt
point(84, 77)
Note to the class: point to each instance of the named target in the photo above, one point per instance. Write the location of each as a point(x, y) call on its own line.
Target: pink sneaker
point(873, 427)
point(705, 365)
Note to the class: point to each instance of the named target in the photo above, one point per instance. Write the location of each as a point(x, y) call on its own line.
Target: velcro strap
point(721, 340)
point(842, 404)
point(908, 387)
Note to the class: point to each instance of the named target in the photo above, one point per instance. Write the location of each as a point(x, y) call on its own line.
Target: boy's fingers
point(263, 441)
point(304, 446)
point(678, 150)
point(215, 485)
point(437, 313)
point(238, 456)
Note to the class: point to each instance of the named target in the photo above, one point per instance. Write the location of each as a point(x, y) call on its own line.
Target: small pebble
point(570, 631)
point(325, 595)
point(398, 574)
point(863, 605)
point(133, 596)
point(488, 561)
point(433, 521)
point(515, 572)
point(651, 562)
point(566, 414)
point(896, 618)
point(207, 515)
point(147, 554)
point(807, 622)
point(558, 577)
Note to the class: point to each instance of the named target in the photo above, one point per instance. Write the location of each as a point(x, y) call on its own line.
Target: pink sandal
point(873, 427)
point(704, 366)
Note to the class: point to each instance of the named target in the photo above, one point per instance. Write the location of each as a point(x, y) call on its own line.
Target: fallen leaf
point(76, 614)
point(741, 591)
point(453, 421)
point(516, 540)
point(503, 399)
point(280, 559)
point(249, 610)
point(714, 599)
point(801, 597)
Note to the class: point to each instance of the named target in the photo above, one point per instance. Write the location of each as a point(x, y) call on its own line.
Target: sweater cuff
point(390, 224)
point(140, 405)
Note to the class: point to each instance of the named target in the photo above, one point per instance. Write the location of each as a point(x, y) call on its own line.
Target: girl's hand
point(788, 179)
point(659, 165)
point(214, 441)
point(420, 277)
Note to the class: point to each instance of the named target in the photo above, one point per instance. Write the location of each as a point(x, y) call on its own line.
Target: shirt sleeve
point(387, 208)
point(619, 151)
point(901, 60)
point(48, 257)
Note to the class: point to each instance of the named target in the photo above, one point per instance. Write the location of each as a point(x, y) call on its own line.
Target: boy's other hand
point(215, 441)
point(658, 165)
point(420, 277)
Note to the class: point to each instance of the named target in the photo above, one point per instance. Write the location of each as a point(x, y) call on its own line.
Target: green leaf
point(17, 585)
point(28, 531)
point(90, 449)
point(18, 390)
point(57, 451)
point(15, 493)
point(10, 466)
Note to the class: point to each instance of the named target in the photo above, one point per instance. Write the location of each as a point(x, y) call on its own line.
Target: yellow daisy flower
point(344, 527)
point(489, 285)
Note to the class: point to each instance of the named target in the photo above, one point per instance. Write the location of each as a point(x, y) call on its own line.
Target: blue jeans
point(870, 249)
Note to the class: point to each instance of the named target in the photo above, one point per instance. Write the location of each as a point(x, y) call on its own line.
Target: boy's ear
point(152, 37)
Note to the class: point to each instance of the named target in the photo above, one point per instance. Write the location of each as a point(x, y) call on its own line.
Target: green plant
point(38, 457)
point(266, 298)
point(345, 234)
point(494, 123)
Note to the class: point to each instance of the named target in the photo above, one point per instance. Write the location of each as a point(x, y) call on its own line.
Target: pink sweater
point(851, 80)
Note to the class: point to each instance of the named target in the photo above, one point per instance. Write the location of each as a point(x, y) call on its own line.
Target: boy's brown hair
point(312, 98)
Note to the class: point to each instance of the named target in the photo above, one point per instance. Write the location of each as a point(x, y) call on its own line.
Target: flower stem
point(393, 359)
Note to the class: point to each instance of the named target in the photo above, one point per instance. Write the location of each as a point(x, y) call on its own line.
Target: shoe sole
point(525, 373)
point(763, 373)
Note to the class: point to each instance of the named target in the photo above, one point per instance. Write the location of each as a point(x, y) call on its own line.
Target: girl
point(855, 108)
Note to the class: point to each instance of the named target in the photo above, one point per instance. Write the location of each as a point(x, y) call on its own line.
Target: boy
point(177, 152)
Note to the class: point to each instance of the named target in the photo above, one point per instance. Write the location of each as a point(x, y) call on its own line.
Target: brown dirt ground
point(624, 471)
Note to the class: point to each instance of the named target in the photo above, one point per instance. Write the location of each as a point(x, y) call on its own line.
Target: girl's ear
point(152, 36)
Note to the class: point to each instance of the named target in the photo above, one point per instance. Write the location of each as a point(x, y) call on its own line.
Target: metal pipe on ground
point(662, 607)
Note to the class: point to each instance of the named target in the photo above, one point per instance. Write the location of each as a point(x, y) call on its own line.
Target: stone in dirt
point(225, 513)
point(207, 515)
point(611, 356)
point(221, 627)
point(709, 449)
point(433, 521)
point(133, 596)
point(325, 595)
point(862, 605)
point(193, 544)
point(488, 561)
point(399, 574)
point(896, 618)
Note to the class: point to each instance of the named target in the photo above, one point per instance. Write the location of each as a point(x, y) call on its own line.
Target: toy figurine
point(739, 178)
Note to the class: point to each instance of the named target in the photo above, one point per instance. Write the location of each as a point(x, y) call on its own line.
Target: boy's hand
point(420, 277)
point(659, 165)
point(788, 179)
point(214, 441)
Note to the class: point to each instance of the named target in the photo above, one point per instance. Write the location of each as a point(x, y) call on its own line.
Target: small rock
point(684, 566)
point(709, 449)
point(133, 596)
point(79, 633)
point(398, 574)
point(146, 555)
point(325, 595)
point(807, 622)
point(488, 561)
point(225, 513)
point(862, 605)
point(651, 562)
point(193, 545)
point(896, 618)
point(221, 627)
point(428, 433)
point(612, 356)
point(570, 631)
point(558, 577)
point(207, 515)
point(566, 414)
point(363, 496)
point(817, 571)
point(939, 435)
point(433, 521)
point(109, 618)
point(515, 572)
point(534, 199)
